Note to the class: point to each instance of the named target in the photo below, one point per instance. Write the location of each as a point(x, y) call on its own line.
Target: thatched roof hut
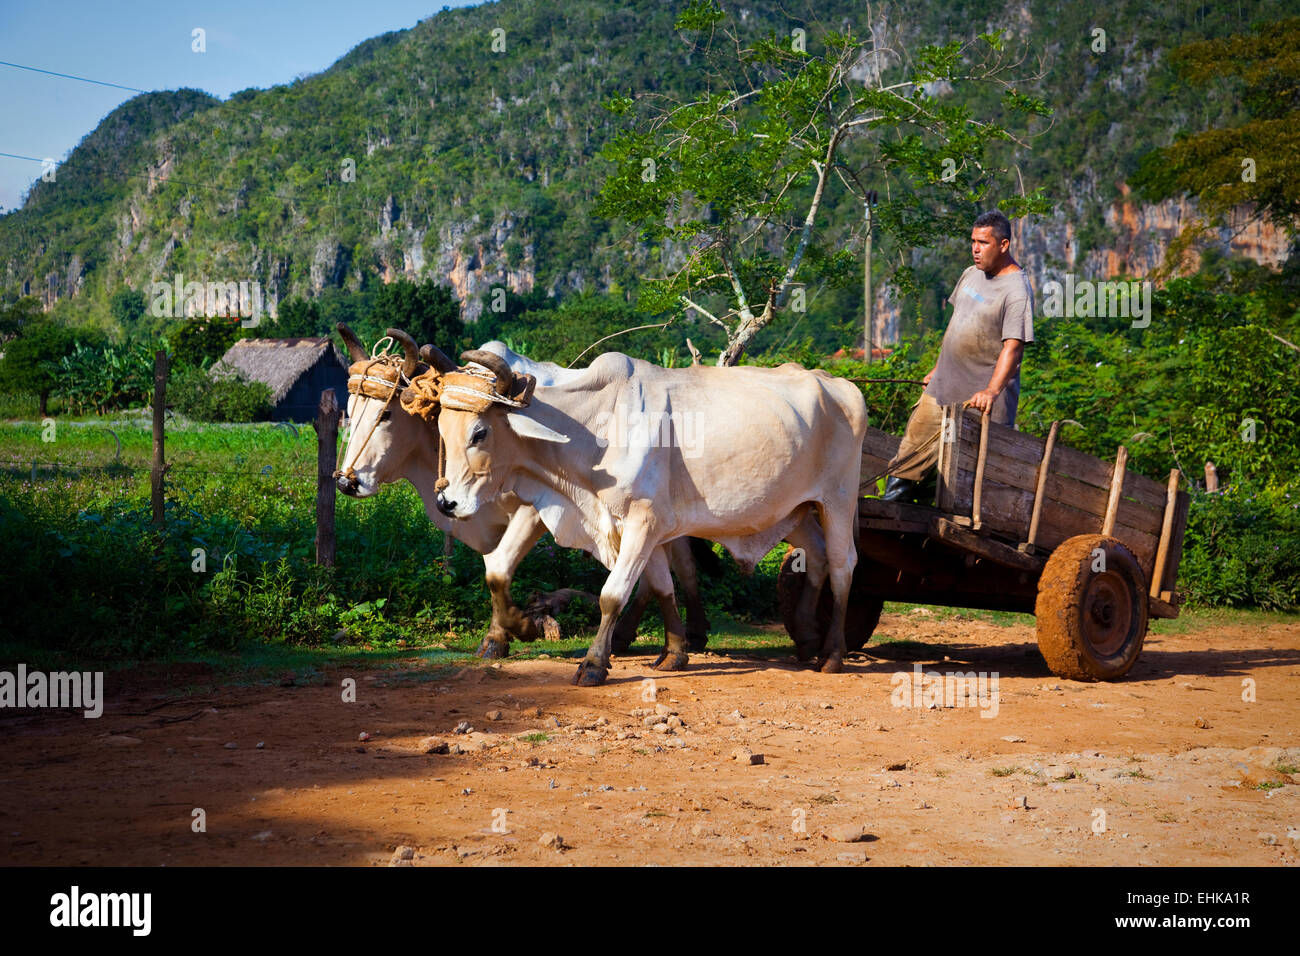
point(296, 371)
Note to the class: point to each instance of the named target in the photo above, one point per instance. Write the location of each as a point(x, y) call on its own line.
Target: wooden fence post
point(159, 409)
point(328, 415)
point(1211, 477)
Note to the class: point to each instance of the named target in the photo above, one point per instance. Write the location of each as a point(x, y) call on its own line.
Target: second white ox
point(741, 456)
point(389, 444)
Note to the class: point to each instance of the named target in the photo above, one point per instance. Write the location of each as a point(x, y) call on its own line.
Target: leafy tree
point(428, 312)
point(126, 306)
point(16, 317)
point(101, 378)
point(31, 361)
point(201, 341)
point(1254, 161)
point(502, 309)
point(296, 317)
point(740, 174)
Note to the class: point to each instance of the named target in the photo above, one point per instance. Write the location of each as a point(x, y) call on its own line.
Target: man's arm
point(1008, 364)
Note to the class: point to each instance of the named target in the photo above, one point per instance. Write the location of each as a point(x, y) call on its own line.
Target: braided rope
point(367, 386)
point(422, 397)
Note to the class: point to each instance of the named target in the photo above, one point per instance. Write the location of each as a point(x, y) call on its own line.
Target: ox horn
point(436, 357)
point(356, 351)
point(494, 363)
point(408, 347)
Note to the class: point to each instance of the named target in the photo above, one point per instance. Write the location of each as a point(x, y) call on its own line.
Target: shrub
point(1242, 549)
point(225, 398)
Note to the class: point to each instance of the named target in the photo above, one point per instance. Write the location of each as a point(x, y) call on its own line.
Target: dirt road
point(1169, 766)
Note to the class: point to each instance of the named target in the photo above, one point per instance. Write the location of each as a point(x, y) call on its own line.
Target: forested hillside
point(431, 155)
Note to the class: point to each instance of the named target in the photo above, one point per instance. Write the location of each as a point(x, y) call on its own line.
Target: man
point(979, 360)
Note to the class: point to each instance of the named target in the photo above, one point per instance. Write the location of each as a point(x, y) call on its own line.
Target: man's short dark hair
point(994, 218)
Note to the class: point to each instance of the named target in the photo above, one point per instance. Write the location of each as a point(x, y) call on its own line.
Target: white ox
point(388, 444)
point(628, 456)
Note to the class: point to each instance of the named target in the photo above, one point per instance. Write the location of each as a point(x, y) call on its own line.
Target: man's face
point(987, 250)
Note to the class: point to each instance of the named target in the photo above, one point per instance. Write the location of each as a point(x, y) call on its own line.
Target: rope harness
point(472, 388)
point(380, 377)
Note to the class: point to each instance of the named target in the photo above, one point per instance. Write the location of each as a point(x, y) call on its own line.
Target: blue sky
point(147, 44)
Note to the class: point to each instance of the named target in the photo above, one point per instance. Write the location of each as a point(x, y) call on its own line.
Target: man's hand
point(1008, 363)
point(983, 400)
point(929, 375)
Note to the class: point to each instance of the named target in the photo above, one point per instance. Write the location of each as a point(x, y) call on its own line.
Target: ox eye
point(386, 414)
point(478, 435)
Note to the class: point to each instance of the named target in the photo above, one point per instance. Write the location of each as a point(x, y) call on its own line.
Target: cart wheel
point(1091, 623)
point(859, 621)
point(789, 589)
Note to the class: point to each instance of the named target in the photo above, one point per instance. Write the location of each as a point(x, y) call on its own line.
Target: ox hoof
point(491, 648)
point(671, 662)
point(697, 642)
point(804, 652)
point(590, 675)
point(831, 665)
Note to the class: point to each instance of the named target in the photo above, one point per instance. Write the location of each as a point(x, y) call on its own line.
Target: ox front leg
point(634, 553)
point(524, 531)
point(660, 579)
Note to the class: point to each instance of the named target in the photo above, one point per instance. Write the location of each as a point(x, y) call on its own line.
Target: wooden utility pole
point(866, 285)
point(868, 309)
point(328, 415)
point(159, 409)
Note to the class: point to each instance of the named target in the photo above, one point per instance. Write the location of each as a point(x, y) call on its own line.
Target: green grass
point(1195, 620)
point(938, 613)
point(1007, 771)
point(86, 579)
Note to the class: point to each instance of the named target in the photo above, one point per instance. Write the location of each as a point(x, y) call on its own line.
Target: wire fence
point(55, 465)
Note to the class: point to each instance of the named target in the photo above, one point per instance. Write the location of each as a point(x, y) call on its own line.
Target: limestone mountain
point(464, 149)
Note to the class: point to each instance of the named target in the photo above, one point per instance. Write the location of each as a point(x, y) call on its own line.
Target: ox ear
point(525, 427)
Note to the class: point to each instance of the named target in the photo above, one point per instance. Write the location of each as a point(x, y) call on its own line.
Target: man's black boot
point(900, 489)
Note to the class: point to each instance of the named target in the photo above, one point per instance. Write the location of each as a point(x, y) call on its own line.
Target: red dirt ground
point(836, 754)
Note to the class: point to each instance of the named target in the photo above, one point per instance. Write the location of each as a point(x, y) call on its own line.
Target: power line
point(69, 76)
point(16, 156)
point(160, 181)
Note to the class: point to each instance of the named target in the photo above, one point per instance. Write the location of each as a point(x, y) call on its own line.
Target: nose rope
point(393, 388)
point(441, 484)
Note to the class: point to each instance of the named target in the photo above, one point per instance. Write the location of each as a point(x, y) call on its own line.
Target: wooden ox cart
point(1019, 524)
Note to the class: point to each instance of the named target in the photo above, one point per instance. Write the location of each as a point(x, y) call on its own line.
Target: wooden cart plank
point(1010, 445)
point(1170, 582)
point(878, 450)
point(1008, 511)
point(1062, 487)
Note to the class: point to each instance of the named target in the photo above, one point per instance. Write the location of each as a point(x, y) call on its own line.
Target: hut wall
point(299, 405)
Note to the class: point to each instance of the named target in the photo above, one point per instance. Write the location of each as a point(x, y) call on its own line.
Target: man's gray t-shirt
point(985, 312)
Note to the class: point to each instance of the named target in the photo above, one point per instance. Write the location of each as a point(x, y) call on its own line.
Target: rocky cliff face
point(1138, 236)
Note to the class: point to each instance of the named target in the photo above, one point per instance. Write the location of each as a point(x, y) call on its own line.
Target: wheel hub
point(1108, 614)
